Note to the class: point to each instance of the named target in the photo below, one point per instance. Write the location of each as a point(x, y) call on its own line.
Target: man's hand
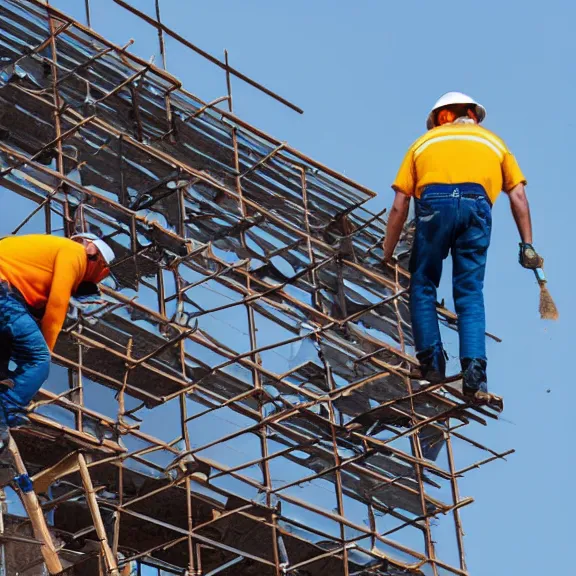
point(389, 260)
point(388, 256)
point(528, 257)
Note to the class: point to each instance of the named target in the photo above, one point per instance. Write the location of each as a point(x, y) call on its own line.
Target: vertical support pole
point(120, 419)
point(161, 36)
point(414, 438)
point(311, 256)
point(417, 452)
point(162, 45)
point(181, 212)
point(371, 512)
point(116, 533)
point(119, 514)
point(456, 498)
point(339, 489)
point(243, 211)
point(88, 20)
point(189, 509)
point(3, 567)
point(191, 562)
point(122, 391)
point(34, 511)
point(161, 291)
point(397, 289)
point(252, 328)
point(111, 565)
point(228, 84)
point(135, 95)
point(199, 559)
point(78, 396)
point(268, 483)
point(123, 192)
point(57, 124)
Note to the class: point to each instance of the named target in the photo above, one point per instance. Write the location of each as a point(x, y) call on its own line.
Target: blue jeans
point(453, 219)
point(22, 342)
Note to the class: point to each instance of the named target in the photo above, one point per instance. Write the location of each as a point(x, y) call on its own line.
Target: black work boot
point(474, 377)
point(15, 417)
point(433, 364)
point(475, 383)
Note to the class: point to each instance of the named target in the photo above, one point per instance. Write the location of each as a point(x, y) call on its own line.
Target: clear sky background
point(366, 73)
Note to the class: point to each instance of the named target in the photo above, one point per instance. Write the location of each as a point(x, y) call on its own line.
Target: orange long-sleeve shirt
point(47, 271)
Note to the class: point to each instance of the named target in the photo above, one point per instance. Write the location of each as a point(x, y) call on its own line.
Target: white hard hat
point(455, 98)
point(103, 248)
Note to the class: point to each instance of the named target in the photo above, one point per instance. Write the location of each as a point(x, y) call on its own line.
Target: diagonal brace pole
point(34, 511)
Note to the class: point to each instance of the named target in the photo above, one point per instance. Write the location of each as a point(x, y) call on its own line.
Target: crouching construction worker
point(38, 275)
point(455, 172)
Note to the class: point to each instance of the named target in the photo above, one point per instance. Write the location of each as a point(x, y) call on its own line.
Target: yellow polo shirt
point(458, 153)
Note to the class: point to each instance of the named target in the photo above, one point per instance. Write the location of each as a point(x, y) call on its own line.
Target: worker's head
point(99, 256)
point(454, 105)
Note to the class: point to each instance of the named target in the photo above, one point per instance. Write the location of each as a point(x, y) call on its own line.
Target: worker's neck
point(464, 120)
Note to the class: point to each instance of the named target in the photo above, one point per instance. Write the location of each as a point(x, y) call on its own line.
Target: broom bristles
point(548, 310)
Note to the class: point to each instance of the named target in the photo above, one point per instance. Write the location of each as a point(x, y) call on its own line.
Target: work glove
point(528, 257)
point(87, 289)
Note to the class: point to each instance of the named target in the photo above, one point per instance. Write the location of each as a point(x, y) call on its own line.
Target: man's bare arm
point(396, 220)
point(521, 212)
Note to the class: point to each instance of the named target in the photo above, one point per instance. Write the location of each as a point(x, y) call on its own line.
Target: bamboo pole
point(34, 511)
point(111, 565)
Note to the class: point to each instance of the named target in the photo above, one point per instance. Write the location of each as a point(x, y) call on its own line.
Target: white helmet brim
point(103, 248)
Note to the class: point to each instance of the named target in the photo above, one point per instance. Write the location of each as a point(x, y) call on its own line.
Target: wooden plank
point(45, 478)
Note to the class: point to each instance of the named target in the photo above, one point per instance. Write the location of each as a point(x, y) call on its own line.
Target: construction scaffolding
point(239, 401)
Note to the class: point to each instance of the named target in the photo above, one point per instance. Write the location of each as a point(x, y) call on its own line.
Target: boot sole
point(479, 398)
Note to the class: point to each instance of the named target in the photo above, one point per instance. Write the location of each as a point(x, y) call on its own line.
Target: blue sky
point(366, 74)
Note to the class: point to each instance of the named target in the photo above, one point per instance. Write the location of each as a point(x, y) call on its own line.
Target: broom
point(548, 310)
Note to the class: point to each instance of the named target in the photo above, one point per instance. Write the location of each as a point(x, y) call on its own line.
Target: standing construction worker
point(38, 275)
point(455, 172)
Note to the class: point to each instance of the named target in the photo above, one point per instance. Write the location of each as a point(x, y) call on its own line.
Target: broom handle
point(540, 276)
